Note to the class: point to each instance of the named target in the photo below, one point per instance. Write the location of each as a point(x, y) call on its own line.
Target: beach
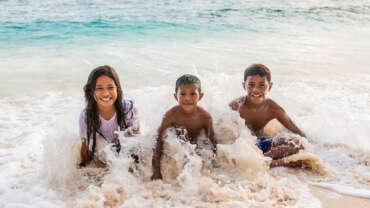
point(332, 199)
point(318, 55)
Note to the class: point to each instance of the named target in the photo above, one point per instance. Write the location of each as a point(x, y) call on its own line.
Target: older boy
point(185, 115)
point(257, 111)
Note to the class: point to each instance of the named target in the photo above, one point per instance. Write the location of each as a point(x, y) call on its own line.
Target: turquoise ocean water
point(310, 35)
point(318, 52)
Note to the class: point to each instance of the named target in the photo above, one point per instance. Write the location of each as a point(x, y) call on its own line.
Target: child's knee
point(297, 143)
point(292, 142)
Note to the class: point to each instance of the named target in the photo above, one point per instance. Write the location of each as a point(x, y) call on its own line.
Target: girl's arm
point(85, 153)
point(132, 112)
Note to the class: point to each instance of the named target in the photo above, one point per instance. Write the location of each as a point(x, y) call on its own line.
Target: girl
point(106, 112)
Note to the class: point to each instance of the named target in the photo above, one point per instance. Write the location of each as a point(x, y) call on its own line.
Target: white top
point(108, 127)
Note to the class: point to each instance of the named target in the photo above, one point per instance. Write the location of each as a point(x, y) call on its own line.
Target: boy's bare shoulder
point(274, 107)
point(203, 113)
point(172, 112)
point(174, 109)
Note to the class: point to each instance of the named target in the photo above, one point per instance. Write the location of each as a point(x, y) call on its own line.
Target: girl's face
point(105, 93)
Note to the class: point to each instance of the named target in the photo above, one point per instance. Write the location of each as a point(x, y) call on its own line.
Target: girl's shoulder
point(128, 105)
point(83, 114)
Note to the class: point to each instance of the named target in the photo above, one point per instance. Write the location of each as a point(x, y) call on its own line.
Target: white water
point(39, 150)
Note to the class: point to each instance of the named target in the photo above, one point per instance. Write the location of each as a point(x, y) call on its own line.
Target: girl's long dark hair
point(92, 113)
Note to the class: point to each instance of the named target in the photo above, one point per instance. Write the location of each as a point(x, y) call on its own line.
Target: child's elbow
point(233, 106)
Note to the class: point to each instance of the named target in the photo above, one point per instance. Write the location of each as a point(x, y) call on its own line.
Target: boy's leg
point(284, 147)
point(282, 162)
point(291, 141)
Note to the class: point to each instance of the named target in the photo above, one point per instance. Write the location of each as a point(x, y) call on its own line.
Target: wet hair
point(92, 114)
point(257, 69)
point(188, 79)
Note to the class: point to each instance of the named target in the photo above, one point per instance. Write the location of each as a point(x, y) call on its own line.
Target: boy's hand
point(156, 175)
point(214, 149)
point(310, 140)
point(235, 104)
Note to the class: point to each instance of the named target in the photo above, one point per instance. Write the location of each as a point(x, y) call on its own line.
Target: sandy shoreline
point(330, 199)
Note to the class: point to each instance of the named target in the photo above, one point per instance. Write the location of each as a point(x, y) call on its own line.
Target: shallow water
point(317, 52)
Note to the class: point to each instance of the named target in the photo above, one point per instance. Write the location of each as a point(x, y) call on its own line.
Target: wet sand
point(330, 199)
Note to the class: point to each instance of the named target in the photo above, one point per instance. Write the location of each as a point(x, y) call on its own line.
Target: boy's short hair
point(188, 79)
point(257, 69)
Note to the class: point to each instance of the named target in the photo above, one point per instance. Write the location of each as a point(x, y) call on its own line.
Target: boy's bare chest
point(255, 119)
point(193, 125)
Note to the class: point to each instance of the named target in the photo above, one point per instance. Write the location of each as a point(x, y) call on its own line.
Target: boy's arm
point(211, 134)
point(157, 152)
point(285, 120)
point(235, 104)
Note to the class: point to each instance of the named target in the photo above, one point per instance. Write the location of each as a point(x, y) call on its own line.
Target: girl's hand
point(129, 132)
point(135, 131)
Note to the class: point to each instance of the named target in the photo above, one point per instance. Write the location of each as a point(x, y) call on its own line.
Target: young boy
point(185, 115)
point(257, 111)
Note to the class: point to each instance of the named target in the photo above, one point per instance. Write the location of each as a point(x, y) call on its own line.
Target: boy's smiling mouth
point(256, 96)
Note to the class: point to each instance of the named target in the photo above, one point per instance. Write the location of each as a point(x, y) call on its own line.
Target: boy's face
point(257, 87)
point(188, 96)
